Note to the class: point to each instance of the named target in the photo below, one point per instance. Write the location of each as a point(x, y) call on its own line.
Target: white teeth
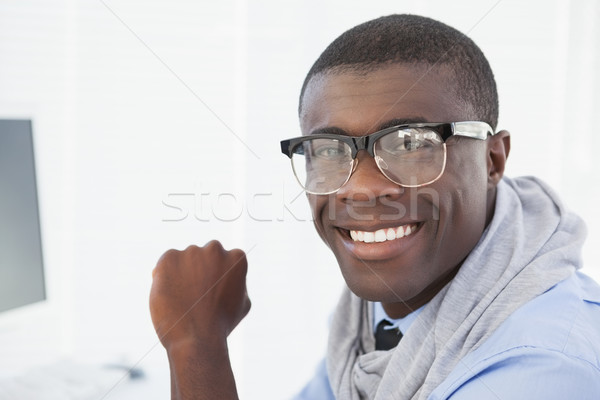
point(399, 233)
point(380, 236)
point(391, 234)
point(383, 235)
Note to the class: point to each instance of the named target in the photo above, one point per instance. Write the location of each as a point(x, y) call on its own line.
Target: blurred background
point(157, 125)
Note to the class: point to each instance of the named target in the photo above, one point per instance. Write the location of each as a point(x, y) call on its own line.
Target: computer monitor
point(21, 262)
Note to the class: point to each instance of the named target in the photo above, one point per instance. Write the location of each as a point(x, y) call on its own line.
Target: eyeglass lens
point(408, 157)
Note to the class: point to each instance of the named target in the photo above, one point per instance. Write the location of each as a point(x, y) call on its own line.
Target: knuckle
point(237, 255)
point(214, 244)
point(247, 306)
point(214, 247)
point(191, 248)
point(167, 257)
point(240, 265)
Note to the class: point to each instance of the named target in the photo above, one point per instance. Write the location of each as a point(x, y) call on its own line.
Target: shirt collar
point(401, 323)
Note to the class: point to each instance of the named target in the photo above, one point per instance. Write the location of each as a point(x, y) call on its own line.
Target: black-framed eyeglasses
point(410, 155)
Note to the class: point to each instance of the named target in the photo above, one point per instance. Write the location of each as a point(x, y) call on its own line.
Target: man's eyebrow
point(387, 124)
point(329, 129)
point(400, 121)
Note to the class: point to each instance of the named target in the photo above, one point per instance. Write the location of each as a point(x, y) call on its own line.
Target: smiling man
point(460, 280)
point(458, 180)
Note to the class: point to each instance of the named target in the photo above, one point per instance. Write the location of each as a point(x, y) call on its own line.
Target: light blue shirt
point(549, 349)
point(401, 323)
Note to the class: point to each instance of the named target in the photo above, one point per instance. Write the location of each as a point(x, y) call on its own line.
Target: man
point(462, 283)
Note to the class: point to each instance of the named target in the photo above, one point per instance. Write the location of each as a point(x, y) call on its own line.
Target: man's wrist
point(197, 348)
point(200, 369)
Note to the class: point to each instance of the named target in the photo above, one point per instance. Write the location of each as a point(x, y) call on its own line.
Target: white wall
point(142, 105)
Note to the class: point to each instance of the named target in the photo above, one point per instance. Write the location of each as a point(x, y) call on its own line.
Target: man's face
point(441, 222)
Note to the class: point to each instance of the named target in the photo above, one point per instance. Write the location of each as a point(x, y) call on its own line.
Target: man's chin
point(379, 290)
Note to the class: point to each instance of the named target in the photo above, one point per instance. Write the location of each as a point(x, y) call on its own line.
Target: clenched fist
point(199, 294)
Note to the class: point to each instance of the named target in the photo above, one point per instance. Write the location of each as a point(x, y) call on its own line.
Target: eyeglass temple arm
point(472, 129)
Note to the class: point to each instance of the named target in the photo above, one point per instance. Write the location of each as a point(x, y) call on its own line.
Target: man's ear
point(498, 147)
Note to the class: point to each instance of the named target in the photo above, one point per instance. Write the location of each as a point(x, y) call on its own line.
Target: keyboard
point(67, 380)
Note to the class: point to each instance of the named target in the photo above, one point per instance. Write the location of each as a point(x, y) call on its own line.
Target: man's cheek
point(431, 196)
point(321, 232)
point(322, 207)
point(317, 203)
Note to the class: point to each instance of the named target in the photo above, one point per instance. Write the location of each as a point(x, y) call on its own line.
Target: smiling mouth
point(383, 235)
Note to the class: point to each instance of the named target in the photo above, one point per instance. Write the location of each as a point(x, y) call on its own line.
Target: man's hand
point(198, 297)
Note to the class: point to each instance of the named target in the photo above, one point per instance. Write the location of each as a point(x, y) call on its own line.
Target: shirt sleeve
point(530, 374)
point(318, 387)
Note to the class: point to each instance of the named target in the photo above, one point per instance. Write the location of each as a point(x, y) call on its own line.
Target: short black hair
point(415, 40)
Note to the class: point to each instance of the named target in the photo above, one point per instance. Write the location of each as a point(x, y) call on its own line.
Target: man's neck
point(401, 309)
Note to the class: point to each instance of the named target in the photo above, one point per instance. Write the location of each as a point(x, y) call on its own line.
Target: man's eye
point(329, 151)
point(411, 143)
point(404, 144)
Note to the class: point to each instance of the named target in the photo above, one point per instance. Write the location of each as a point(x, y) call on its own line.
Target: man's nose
point(367, 182)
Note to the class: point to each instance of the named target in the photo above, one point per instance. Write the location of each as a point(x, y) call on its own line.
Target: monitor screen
point(21, 265)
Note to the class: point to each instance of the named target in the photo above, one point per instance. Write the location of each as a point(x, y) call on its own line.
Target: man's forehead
point(385, 71)
point(414, 93)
